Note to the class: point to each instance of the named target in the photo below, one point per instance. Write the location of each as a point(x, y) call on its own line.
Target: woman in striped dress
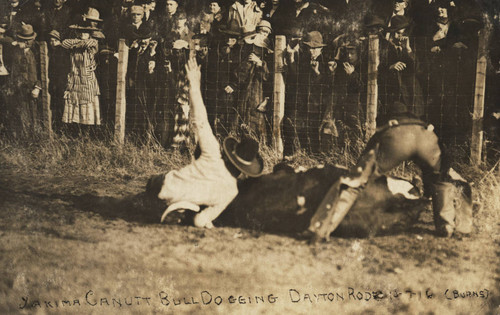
point(82, 92)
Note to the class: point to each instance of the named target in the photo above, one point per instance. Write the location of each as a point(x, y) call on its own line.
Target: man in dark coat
point(32, 13)
point(422, 13)
point(136, 25)
point(402, 82)
point(58, 17)
point(306, 15)
point(345, 105)
point(168, 18)
point(106, 71)
point(142, 77)
point(306, 81)
point(5, 53)
point(23, 87)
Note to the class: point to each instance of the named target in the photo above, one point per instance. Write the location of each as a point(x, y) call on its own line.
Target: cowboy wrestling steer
point(401, 137)
point(286, 200)
point(209, 182)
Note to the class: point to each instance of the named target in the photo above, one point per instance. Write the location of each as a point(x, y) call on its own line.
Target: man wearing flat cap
point(136, 24)
point(208, 184)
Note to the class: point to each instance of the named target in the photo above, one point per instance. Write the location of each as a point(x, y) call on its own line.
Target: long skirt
point(82, 113)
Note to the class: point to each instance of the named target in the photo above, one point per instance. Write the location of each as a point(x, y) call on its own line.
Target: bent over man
point(209, 182)
point(401, 137)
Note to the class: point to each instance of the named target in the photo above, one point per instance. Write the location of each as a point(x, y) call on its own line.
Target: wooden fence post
point(44, 73)
point(478, 113)
point(279, 93)
point(121, 86)
point(372, 85)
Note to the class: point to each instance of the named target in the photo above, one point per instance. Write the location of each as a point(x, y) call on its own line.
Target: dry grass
point(104, 157)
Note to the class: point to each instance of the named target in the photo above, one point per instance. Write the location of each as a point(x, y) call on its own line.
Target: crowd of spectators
point(427, 53)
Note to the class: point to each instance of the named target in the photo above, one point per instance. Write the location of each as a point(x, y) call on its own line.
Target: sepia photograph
point(250, 157)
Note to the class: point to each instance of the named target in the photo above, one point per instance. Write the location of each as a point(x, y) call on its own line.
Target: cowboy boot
point(443, 208)
point(332, 211)
point(341, 197)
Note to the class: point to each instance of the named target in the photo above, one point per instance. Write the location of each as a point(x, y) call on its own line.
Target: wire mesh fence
point(327, 90)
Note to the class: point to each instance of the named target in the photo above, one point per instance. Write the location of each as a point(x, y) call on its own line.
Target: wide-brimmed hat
point(142, 32)
point(314, 39)
point(230, 31)
point(26, 32)
point(83, 28)
point(55, 34)
point(201, 36)
point(204, 38)
point(471, 23)
point(244, 155)
point(258, 40)
point(92, 15)
point(398, 22)
point(374, 20)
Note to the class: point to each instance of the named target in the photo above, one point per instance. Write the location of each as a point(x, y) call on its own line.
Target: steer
point(285, 201)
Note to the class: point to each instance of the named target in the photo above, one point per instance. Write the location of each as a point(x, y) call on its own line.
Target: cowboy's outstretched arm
point(208, 142)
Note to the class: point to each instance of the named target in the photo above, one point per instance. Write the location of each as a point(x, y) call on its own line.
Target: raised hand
point(193, 72)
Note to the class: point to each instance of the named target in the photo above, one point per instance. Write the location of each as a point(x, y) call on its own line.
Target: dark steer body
point(285, 201)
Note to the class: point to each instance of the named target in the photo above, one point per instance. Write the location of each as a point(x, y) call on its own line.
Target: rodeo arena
point(354, 131)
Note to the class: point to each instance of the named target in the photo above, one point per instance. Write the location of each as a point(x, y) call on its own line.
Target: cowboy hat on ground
point(244, 155)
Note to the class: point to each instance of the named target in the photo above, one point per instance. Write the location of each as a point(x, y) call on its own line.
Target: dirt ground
point(85, 245)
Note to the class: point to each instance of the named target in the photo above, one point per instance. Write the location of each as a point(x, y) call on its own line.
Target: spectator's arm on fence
point(73, 43)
